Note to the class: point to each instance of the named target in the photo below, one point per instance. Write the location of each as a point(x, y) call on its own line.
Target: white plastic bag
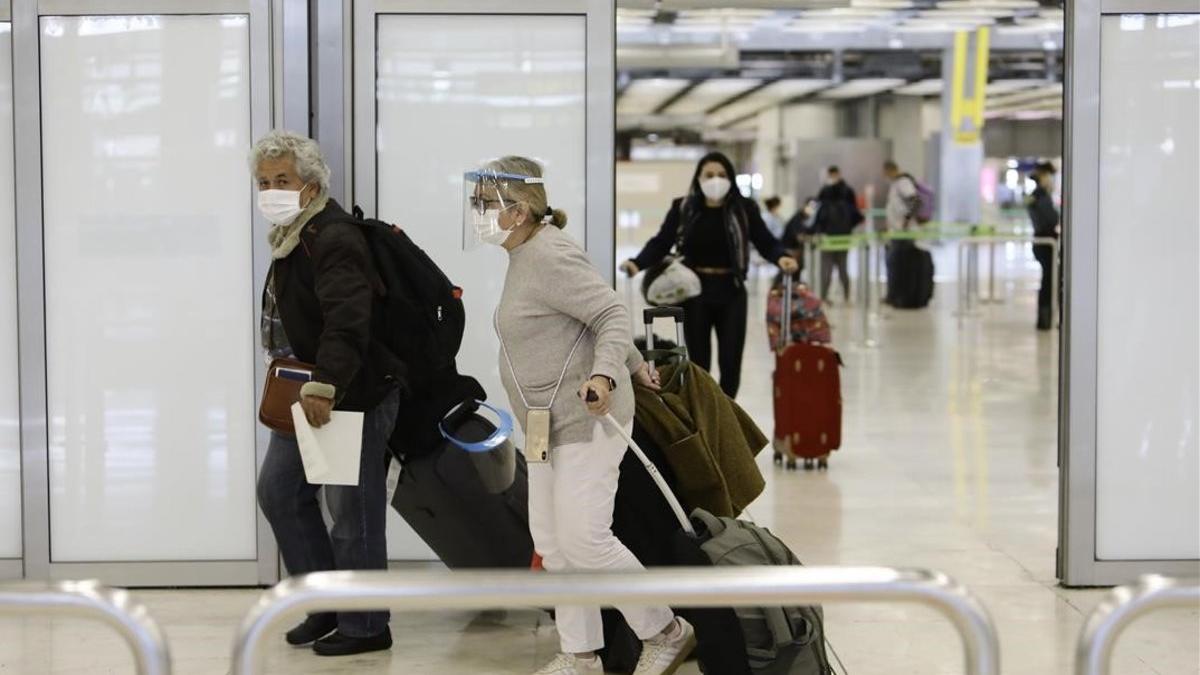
point(674, 285)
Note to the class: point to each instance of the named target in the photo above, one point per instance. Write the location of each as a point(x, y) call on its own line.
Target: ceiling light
point(825, 27)
point(860, 88)
point(882, 4)
point(922, 88)
point(710, 93)
point(992, 4)
point(645, 96)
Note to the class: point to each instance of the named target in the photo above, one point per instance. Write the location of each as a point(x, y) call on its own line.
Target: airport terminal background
point(1037, 467)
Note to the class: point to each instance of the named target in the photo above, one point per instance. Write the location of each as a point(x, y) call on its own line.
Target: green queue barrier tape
point(832, 243)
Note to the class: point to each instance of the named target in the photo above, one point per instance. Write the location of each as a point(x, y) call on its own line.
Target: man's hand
point(629, 268)
point(788, 265)
point(317, 410)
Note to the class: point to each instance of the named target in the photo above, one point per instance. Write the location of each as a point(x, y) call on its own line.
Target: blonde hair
point(532, 195)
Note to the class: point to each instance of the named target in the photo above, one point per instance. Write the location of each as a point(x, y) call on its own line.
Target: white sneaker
point(569, 664)
point(664, 654)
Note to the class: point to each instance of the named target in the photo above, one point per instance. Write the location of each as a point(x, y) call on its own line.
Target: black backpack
point(423, 324)
point(425, 318)
point(837, 217)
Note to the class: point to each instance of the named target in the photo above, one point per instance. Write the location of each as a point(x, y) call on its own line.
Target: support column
point(961, 155)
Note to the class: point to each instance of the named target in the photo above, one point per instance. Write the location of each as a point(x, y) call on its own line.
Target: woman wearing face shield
point(318, 306)
point(718, 225)
point(564, 333)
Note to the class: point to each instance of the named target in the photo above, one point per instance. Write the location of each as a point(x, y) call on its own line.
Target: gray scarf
point(284, 238)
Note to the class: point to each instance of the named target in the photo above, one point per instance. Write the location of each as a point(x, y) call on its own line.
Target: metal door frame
point(600, 92)
point(264, 90)
point(11, 568)
point(1077, 562)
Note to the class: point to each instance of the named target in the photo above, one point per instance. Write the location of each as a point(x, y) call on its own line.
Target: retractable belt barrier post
point(91, 600)
point(676, 587)
point(1123, 605)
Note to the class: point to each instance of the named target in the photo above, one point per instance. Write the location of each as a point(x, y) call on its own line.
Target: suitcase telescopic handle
point(785, 316)
point(651, 313)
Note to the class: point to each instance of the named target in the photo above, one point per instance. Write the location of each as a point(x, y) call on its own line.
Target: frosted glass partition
point(452, 92)
point(10, 431)
point(1148, 409)
point(149, 295)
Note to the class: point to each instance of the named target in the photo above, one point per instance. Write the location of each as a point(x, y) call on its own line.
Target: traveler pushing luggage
point(655, 524)
point(559, 324)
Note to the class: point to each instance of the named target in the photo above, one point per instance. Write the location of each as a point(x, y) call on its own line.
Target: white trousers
point(570, 517)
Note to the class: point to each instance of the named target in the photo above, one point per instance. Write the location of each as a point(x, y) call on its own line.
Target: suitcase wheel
point(778, 458)
point(808, 465)
point(823, 464)
point(791, 464)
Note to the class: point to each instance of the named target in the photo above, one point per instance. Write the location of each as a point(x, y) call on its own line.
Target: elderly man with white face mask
point(318, 305)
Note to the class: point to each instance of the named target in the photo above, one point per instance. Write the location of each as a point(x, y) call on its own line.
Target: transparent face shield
point(485, 199)
point(483, 433)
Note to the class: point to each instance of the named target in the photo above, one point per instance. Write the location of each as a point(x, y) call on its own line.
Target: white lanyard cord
point(517, 383)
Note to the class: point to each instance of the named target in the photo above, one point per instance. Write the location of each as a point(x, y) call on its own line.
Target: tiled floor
point(948, 462)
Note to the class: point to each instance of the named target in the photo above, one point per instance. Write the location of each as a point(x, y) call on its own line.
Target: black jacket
point(1043, 213)
point(747, 222)
point(328, 298)
point(837, 197)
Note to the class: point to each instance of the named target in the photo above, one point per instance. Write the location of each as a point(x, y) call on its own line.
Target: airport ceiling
point(711, 65)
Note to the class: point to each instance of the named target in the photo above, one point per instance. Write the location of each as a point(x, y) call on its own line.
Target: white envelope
point(332, 453)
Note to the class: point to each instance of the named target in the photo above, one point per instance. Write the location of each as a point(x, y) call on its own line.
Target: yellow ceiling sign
point(969, 88)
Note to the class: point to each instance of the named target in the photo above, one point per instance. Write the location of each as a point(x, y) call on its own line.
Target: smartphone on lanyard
point(537, 436)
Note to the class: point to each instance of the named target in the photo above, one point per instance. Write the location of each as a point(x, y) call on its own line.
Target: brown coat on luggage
point(709, 441)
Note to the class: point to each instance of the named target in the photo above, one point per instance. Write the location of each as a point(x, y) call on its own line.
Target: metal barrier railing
point(678, 587)
point(1122, 606)
point(91, 600)
point(968, 268)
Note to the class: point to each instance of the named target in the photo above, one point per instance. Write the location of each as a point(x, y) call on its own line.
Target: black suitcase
point(644, 522)
point(910, 276)
point(441, 496)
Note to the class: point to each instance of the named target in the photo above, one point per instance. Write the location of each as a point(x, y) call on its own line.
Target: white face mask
point(487, 228)
point(280, 207)
point(715, 188)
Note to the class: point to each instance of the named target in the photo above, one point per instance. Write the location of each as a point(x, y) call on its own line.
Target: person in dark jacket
point(714, 226)
point(320, 306)
point(1044, 216)
point(837, 214)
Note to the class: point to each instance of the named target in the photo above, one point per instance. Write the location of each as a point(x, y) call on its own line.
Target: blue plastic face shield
point(487, 444)
point(485, 197)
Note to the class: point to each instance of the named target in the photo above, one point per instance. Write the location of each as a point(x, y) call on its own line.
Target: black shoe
point(344, 645)
point(314, 628)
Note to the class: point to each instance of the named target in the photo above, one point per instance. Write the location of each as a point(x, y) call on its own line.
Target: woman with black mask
point(718, 225)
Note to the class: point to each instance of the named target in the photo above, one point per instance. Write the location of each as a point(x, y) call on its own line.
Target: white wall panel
point(1148, 411)
point(149, 295)
point(454, 91)
point(10, 437)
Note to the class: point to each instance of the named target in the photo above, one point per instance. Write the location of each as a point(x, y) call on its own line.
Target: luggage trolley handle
point(651, 313)
point(648, 316)
point(785, 314)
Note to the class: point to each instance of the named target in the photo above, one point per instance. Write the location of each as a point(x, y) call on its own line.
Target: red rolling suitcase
point(808, 397)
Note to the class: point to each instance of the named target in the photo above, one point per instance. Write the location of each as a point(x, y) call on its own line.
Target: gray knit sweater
point(551, 293)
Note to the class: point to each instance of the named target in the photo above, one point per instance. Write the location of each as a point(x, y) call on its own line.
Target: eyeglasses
point(480, 204)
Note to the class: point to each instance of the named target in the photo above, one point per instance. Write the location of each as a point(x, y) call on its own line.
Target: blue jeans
point(357, 540)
